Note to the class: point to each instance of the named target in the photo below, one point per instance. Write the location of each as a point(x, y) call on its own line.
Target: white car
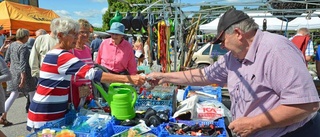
point(207, 54)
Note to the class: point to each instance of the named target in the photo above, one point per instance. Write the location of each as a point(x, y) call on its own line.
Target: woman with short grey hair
point(17, 56)
point(50, 102)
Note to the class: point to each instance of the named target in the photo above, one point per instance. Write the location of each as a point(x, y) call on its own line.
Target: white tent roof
point(273, 23)
point(210, 27)
point(302, 22)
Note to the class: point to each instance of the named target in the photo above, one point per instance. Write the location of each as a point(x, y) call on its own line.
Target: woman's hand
point(137, 80)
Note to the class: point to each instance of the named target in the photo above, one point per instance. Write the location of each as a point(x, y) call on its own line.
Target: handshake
point(151, 80)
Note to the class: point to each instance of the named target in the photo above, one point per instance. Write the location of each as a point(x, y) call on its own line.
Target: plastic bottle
point(93, 120)
point(91, 123)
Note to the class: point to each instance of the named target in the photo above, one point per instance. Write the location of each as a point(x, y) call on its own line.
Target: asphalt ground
point(18, 116)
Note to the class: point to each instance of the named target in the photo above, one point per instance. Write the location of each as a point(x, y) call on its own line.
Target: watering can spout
point(103, 93)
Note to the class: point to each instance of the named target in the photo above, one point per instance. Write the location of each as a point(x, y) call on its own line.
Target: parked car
point(205, 55)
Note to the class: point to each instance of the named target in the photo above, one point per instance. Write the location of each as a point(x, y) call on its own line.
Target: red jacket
point(301, 42)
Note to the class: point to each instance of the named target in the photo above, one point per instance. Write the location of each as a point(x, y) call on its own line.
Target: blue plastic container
point(216, 91)
point(166, 95)
point(117, 128)
point(67, 122)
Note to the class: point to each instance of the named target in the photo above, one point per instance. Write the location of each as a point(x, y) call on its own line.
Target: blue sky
point(92, 10)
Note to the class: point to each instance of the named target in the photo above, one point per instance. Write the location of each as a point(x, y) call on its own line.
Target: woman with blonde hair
point(18, 57)
point(138, 45)
point(82, 51)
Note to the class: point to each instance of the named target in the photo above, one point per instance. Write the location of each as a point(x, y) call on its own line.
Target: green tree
point(122, 6)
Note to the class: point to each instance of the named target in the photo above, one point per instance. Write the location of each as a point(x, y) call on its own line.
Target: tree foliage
point(122, 6)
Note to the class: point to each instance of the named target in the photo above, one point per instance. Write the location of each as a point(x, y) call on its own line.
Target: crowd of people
point(271, 90)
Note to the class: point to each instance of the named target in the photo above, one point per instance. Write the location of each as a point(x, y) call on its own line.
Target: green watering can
point(117, 18)
point(121, 99)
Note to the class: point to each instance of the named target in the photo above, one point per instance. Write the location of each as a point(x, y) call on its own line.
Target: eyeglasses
point(84, 32)
point(73, 34)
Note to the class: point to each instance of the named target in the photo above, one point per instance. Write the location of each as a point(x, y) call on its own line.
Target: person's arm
point(281, 116)
point(285, 115)
point(4, 46)
point(34, 58)
point(71, 65)
point(5, 74)
point(23, 65)
point(194, 77)
point(133, 79)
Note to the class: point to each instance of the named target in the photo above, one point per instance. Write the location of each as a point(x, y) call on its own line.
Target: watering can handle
point(112, 85)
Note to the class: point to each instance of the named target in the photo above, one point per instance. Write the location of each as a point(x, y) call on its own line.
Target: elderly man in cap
point(116, 54)
point(271, 90)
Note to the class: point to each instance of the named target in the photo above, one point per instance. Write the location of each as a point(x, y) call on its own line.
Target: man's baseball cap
point(230, 17)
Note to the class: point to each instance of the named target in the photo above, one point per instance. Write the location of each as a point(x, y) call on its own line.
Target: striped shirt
point(85, 56)
point(50, 101)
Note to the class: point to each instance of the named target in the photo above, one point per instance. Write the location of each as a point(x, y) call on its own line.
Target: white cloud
point(87, 14)
point(104, 10)
point(63, 13)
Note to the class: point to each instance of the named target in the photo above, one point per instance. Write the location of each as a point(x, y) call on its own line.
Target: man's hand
point(155, 78)
point(242, 127)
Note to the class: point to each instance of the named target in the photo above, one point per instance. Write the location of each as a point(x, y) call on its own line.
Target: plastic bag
point(187, 106)
point(221, 110)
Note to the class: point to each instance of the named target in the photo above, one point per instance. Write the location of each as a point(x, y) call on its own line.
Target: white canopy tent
point(303, 22)
point(273, 23)
point(210, 27)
